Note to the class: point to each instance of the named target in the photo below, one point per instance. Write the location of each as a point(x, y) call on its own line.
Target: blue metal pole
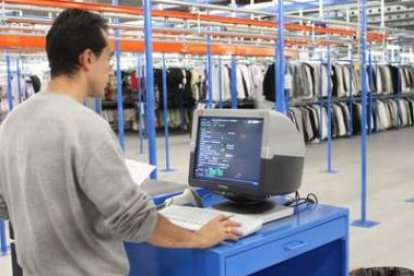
point(280, 54)
point(152, 146)
point(19, 76)
point(321, 100)
point(209, 74)
point(373, 98)
point(233, 82)
point(140, 105)
point(364, 124)
point(120, 103)
point(329, 169)
point(370, 93)
point(363, 222)
point(220, 81)
point(399, 96)
point(351, 99)
point(9, 82)
point(165, 103)
point(98, 105)
point(3, 239)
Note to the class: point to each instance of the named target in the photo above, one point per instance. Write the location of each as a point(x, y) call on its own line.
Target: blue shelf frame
point(363, 221)
point(165, 105)
point(152, 147)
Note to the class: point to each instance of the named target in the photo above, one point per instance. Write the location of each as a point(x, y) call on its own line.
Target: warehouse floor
point(391, 183)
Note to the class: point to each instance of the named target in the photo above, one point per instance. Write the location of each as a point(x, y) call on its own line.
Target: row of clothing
point(249, 81)
point(388, 79)
point(180, 84)
point(130, 118)
point(312, 80)
point(312, 120)
point(387, 114)
point(177, 119)
point(187, 86)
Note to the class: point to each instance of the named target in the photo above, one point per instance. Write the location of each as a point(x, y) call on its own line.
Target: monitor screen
point(228, 150)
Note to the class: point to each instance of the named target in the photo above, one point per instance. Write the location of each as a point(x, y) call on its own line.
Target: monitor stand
point(245, 208)
point(267, 210)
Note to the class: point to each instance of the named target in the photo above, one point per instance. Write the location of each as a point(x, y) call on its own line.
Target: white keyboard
point(193, 218)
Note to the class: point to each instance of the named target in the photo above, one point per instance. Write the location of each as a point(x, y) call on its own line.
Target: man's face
point(101, 67)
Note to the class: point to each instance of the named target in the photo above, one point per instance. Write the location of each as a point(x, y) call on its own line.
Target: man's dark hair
point(72, 32)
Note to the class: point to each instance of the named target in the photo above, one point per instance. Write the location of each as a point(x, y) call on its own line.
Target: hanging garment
point(307, 125)
point(338, 89)
point(246, 79)
point(395, 79)
point(325, 80)
point(339, 121)
point(316, 80)
point(216, 85)
point(347, 80)
point(269, 84)
point(347, 116)
point(256, 80)
point(378, 79)
point(314, 119)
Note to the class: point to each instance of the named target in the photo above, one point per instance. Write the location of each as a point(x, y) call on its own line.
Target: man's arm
point(129, 212)
point(167, 234)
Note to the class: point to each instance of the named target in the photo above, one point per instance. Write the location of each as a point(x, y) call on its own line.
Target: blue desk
point(313, 242)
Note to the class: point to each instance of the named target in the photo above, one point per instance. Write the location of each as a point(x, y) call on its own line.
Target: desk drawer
point(283, 249)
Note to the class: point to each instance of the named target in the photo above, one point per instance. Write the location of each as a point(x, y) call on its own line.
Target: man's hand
point(217, 230)
point(167, 234)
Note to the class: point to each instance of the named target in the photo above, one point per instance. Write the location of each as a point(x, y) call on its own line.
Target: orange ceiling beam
point(64, 4)
point(39, 42)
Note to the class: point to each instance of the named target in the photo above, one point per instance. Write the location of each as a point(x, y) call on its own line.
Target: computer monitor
point(246, 155)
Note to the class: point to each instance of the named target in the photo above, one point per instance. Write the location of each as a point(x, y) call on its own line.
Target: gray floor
point(391, 172)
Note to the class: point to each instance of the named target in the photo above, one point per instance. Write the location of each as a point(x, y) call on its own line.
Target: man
point(63, 176)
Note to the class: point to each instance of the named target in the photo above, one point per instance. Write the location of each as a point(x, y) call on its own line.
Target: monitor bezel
point(227, 188)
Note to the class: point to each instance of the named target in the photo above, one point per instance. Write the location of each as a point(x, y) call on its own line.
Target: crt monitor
point(246, 155)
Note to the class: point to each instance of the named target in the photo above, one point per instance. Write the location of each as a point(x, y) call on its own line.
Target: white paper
point(139, 170)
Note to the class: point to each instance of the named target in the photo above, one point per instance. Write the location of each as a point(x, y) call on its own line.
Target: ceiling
point(398, 13)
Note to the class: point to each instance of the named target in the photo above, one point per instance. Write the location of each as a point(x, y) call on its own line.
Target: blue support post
point(19, 76)
point(165, 103)
point(329, 161)
point(378, 92)
point(9, 82)
point(369, 92)
point(364, 222)
point(220, 81)
point(321, 100)
point(374, 97)
point(120, 104)
point(98, 105)
point(152, 146)
point(209, 74)
point(233, 82)
point(4, 248)
point(140, 106)
point(399, 87)
point(351, 99)
point(3, 240)
point(280, 60)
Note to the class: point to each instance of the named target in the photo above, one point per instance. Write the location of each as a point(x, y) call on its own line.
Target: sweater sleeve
point(127, 210)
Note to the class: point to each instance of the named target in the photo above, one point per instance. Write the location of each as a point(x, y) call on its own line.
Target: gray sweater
point(69, 194)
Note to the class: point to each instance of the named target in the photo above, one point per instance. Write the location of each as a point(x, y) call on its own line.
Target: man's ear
point(86, 59)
